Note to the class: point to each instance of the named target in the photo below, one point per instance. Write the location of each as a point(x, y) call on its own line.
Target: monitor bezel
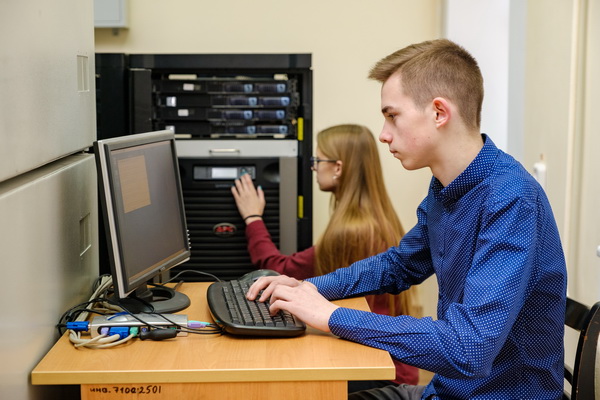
point(123, 285)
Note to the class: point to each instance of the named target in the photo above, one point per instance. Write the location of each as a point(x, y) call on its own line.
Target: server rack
point(217, 232)
point(231, 113)
point(112, 95)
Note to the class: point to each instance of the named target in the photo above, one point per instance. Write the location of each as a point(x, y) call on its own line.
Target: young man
point(485, 229)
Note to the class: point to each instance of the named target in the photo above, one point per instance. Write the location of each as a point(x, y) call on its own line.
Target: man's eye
point(390, 117)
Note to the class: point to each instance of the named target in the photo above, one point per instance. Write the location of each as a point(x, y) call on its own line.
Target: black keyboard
point(239, 316)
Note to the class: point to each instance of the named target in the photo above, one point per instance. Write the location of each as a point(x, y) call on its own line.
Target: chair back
point(583, 375)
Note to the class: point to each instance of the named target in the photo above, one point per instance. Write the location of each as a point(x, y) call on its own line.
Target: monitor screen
point(144, 216)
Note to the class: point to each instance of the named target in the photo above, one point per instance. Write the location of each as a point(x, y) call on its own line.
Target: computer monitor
point(144, 216)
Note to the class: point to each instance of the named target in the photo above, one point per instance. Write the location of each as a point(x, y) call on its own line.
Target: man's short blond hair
point(437, 68)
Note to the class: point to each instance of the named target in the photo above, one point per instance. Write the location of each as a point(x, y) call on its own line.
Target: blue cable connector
point(78, 326)
point(122, 331)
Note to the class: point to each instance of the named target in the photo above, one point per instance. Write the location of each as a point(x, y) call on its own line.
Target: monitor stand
point(163, 299)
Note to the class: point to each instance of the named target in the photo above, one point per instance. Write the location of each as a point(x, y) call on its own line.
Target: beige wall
point(345, 38)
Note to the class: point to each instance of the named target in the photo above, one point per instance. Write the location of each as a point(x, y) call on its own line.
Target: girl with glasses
point(363, 223)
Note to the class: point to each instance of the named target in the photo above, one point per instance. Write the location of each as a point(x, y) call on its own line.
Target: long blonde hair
point(363, 221)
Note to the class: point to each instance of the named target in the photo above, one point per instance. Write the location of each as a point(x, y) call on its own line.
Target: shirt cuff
point(327, 291)
point(345, 322)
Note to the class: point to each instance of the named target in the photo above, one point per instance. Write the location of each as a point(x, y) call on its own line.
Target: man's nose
point(384, 137)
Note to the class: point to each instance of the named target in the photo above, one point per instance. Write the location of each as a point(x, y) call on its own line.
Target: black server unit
point(112, 95)
point(112, 118)
point(216, 228)
point(231, 114)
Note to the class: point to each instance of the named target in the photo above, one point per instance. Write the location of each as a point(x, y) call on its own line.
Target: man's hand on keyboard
point(302, 299)
point(267, 284)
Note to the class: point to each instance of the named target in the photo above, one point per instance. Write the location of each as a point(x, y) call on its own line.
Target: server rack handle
point(223, 151)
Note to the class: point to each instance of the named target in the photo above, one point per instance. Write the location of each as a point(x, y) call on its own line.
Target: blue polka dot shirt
point(491, 240)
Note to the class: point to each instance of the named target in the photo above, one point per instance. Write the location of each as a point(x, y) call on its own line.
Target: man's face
point(408, 131)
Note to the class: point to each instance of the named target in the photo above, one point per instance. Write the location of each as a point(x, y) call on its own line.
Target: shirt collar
point(473, 175)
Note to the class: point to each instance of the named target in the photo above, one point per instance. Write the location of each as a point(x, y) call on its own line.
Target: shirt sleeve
point(266, 255)
point(468, 334)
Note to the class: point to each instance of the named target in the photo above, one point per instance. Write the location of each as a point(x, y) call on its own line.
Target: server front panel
point(216, 229)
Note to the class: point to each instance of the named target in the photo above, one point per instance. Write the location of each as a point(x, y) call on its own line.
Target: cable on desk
point(98, 342)
point(75, 321)
point(216, 278)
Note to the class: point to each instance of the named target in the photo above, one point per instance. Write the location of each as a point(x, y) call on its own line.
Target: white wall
point(485, 36)
point(493, 32)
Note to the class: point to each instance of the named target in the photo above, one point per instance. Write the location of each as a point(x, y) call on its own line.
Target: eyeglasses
point(314, 162)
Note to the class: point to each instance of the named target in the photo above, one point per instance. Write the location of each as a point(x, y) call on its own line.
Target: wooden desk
point(313, 366)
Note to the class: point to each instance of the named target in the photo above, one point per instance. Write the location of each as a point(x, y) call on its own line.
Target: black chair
point(582, 377)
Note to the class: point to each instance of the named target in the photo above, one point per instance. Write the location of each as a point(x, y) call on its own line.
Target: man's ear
point(442, 110)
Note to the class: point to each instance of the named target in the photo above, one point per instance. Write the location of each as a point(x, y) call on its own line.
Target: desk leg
point(332, 390)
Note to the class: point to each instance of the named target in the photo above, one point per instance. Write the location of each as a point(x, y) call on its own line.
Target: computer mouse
point(254, 275)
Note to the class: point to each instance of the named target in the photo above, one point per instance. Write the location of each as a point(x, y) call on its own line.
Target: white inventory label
point(188, 86)
point(183, 112)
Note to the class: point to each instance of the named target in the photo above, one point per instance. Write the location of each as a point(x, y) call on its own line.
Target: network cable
point(144, 326)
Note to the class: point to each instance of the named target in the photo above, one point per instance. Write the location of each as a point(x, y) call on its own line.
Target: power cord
point(216, 278)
